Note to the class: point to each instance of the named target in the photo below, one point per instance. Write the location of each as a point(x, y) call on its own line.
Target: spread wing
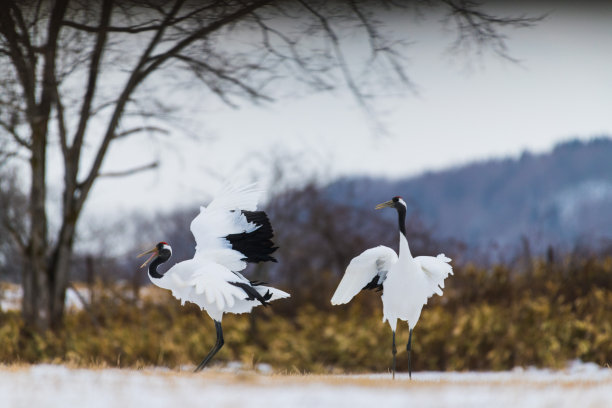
point(436, 270)
point(223, 216)
point(361, 272)
point(229, 231)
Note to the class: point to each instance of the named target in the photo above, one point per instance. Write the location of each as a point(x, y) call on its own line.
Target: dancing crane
point(228, 234)
point(406, 282)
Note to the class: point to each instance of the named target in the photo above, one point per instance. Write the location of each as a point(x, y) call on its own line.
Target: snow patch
point(580, 385)
point(11, 295)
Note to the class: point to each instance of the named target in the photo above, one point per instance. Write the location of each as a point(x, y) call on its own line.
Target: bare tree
point(68, 64)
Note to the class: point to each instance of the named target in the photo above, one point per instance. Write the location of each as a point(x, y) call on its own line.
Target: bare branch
point(61, 125)
point(130, 172)
point(333, 37)
point(134, 80)
point(148, 64)
point(10, 127)
point(377, 45)
point(96, 58)
point(130, 132)
point(24, 37)
point(96, 30)
point(308, 74)
point(157, 60)
point(25, 71)
point(199, 65)
point(482, 29)
point(6, 155)
point(96, 110)
point(368, 24)
point(138, 28)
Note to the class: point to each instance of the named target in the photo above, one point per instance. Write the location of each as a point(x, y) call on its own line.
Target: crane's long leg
point(409, 349)
point(394, 351)
point(215, 348)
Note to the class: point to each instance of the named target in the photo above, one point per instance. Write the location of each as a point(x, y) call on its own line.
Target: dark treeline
point(561, 198)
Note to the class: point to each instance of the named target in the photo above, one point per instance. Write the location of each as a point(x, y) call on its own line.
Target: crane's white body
point(407, 282)
point(410, 282)
point(208, 279)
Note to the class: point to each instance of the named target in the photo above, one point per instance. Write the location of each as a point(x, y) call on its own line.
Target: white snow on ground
point(581, 385)
point(10, 296)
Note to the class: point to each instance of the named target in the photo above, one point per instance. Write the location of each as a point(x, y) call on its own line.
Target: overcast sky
point(466, 108)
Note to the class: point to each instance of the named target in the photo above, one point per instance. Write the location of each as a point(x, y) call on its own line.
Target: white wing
point(362, 269)
point(436, 270)
point(233, 197)
point(220, 218)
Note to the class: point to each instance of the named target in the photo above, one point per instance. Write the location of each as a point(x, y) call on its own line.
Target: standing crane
point(407, 282)
point(229, 232)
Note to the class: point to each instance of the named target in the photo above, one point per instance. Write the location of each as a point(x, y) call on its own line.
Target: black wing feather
point(256, 246)
point(373, 284)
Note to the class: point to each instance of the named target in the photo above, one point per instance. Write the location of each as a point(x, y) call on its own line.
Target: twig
point(130, 172)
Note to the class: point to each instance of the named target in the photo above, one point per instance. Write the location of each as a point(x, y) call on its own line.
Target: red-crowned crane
point(406, 282)
point(229, 232)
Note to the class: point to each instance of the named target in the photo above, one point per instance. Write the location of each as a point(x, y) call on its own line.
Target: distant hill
point(561, 198)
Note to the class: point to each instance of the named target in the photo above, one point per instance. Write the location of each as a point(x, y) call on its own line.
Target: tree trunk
point(36, 294)
point(39, 280)
point(59, 271)
point(46, 277)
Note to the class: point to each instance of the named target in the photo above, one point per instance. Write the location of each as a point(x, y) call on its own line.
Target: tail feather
point(272, 293)
point(252, 293)
point(436, 269)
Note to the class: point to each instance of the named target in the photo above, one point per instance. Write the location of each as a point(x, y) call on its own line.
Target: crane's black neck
point(401, 218)
point(163, 256)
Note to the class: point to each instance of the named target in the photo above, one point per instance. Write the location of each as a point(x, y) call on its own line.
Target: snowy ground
point(11, 294)
point(581, 385)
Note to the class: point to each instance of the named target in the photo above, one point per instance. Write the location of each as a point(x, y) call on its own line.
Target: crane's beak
point(153, 253)
point(386, 204)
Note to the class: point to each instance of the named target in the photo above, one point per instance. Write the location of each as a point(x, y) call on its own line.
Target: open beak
point(153, 253)
point(386, 204)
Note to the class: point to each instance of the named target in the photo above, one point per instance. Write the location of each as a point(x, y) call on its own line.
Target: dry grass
point(487, 320)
